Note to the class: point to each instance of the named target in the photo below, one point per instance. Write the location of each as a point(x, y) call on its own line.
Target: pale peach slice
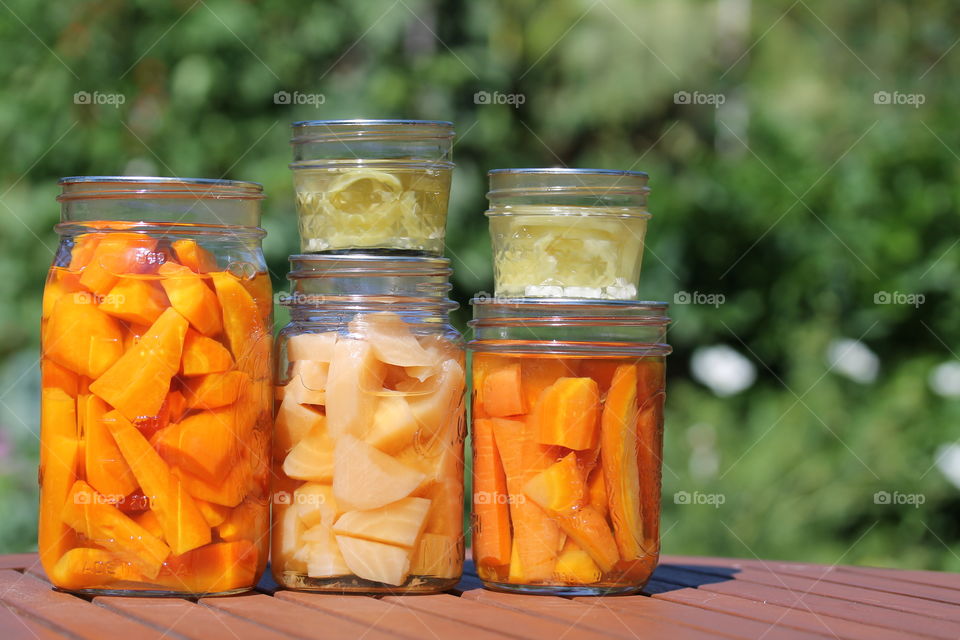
point(355, 377)
point(398, 523)
point(374, 560)
point(437, 556)
point(394, 425)
point(433, 410)
point(324, 559)
point(294, 422)
point(311, 346)
point(366, 478)
point(308, 381)
point(392, 340)
point(315, 504)
point(311, 458)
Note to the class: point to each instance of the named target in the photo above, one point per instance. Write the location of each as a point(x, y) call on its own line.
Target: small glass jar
point(372, 184)
point(567, 233)
point(368, 444)
point(156, 389)
point(567, 430)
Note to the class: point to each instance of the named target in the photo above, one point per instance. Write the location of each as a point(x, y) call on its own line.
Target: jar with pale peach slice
point(567, 428)
point(368, 443)
point(156, 389)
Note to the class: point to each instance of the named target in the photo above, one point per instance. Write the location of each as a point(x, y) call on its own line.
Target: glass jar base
point(154, 593)
point(353, 584)
point(561, 589)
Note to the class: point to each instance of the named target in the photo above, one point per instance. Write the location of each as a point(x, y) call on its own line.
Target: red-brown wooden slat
point(937, 578)
point(891, 580)
point(730, 625)
point(295, 620)
point(187, 618)
point(64, 612)
point(371, 612)
point(517, 623)
point(858, 612)
point(899, 602)
point(16, 626)
point(597, 613)
point(770, 613)
point(19, 561)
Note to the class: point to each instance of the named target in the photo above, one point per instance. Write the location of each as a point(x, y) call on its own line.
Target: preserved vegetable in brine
point(368, 456)
point(566, 470)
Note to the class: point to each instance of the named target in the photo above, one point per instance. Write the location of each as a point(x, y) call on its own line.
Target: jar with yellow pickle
point(372, 185)
point(567, 429)
point(156, 389)
point(368, 442)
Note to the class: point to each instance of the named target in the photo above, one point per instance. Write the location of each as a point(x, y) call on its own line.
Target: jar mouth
point(374, 129)
point(530, 312)
point(568, 188)
point(185, 229)
point(361, 265)
point(149, 187)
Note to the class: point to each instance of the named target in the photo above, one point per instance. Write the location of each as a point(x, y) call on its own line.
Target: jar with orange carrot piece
point(368, 444)
point(567, 426)
point(156, 389)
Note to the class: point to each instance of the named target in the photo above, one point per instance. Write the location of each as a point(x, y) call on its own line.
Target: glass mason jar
point(156, 389)
point(372, 184)
point(567, 426)
point(567, 233)
point(368, 443)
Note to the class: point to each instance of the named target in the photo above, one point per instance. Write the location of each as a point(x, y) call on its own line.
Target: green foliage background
point(798, 200)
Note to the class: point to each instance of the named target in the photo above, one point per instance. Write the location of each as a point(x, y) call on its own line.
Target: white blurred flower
point(853, 359)
point(945, 379)
point(722, 369)
point(948, 462)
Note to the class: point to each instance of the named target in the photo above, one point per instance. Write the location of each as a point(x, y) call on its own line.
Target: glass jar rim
point(557, 311)
point(605, 187)
point(126, 187)
point(305, 131)
point(320, 265)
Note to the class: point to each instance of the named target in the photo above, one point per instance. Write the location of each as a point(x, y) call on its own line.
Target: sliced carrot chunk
point(59, 447)
point(53, 375)
point(203, 444)
point(491, 511)
point(117, 254)
point(566, 413)
point(215, 568)
point(228, 492)
point(184, 527)
point(618, 454)
point(134, 300)
point(190, 295)
point(59, 283)
point(82, 338)
point(91, 515)
point(106, 470)
point(502, 393)
point(137, 384)
point(192, 255)
point(214, 390)
point(535, 536)
point(203, 355)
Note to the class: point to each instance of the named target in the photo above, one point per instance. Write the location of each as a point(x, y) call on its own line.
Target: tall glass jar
point(567, 428)
point(367, 185)
point(156, 389)
point(574, 233)
point(368, 445)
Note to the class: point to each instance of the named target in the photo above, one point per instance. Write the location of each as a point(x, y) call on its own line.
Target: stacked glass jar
point(567, 388)
point(368, 444)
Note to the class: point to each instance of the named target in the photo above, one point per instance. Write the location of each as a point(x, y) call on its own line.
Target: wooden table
point(690, 597)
